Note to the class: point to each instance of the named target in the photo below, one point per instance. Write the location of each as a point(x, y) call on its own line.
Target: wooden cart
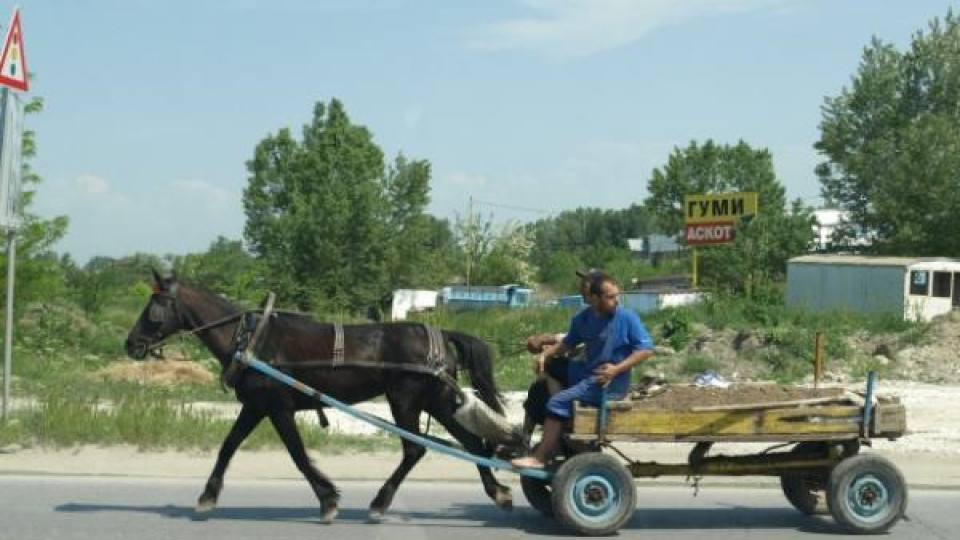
point(818, 457)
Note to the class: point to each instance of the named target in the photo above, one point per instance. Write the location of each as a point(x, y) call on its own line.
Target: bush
point(698, 363)
point(676, 327)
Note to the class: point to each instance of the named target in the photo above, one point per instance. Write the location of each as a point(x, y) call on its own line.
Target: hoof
point(330, 511)
point(375, 516)
point(504, 499)
point(205, 505)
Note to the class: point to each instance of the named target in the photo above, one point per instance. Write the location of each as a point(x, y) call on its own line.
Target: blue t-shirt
point(628, 335)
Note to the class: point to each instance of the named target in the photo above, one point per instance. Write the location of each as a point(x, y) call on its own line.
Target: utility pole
point(470, 238)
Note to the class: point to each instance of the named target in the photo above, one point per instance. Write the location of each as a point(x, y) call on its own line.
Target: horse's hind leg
point(325, 491)
point(500, 493)
point(407, 417)
point(246, 421)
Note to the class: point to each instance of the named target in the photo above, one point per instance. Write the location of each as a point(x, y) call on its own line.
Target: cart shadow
point(731, 517)
point(483, 515)
point(450, 516)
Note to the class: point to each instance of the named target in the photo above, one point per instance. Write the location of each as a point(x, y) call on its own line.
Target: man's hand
point(547, 353)
point(606, 373)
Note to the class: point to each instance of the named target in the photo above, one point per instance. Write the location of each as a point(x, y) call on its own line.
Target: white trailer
point(912, 288)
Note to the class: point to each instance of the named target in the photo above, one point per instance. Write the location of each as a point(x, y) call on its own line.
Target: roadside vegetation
point(65, 396)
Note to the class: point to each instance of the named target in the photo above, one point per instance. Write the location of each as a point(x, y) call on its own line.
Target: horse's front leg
point(412, 453)
point(324, 489)
point(246, 421)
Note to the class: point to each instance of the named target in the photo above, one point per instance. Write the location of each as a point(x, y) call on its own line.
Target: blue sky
point(153, 107)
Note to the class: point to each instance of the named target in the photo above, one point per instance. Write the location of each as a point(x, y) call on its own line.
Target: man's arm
point(607, 372)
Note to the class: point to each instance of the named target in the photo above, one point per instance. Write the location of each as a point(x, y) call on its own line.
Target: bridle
point(156, 313)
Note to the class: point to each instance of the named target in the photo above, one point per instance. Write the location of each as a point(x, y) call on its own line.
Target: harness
point(254, 324)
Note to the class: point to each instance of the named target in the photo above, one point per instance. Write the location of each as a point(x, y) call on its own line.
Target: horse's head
point(161, 318)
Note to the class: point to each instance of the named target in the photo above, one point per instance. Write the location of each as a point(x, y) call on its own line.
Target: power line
point(512, 207)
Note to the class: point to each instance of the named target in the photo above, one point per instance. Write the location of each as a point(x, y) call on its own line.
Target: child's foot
point(528, 462)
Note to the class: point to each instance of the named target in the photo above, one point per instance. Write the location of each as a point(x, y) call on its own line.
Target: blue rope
point(492, 463)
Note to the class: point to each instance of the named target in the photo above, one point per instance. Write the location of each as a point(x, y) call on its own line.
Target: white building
point(826, 222)
point(912, 288)
point(407, 300)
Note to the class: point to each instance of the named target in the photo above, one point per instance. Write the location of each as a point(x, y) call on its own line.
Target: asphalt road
point(102, 508)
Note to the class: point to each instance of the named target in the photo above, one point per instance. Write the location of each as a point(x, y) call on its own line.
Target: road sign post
point(13, 74)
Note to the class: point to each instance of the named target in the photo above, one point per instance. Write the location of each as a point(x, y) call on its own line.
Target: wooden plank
point(659, 422)
point(771, 404)
point(779, 437)
point(890, 420)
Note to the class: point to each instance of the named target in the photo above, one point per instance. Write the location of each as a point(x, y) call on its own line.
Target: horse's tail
point(474, 355)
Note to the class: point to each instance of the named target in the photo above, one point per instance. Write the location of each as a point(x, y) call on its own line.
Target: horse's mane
point(297, 320)
point(215, 298)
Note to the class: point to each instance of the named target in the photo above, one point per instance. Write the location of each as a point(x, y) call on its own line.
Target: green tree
point(227, 268)
point(593, 237)
point(444, 257)
point(711, 168)
point(496, 255)
point(38, 272)
point(892, 143)
point(758, 256)
point(314, 213)
point(335, 228)
point(558, 272)
point(409, 228)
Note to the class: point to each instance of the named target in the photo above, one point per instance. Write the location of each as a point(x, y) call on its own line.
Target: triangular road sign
point(13, 61)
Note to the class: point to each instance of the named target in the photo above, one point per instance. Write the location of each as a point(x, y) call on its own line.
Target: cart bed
point(742, 413)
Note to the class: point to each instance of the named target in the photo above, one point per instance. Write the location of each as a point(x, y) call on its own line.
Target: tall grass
point(62, 420)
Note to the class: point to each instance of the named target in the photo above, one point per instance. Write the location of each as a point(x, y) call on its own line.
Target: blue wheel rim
point(869, 498)
point(594, 498)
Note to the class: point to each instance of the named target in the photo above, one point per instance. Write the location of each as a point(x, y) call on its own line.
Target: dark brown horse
point(299, 346)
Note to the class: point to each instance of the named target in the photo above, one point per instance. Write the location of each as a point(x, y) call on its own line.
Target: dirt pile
point(685, 397)
point(930, 355)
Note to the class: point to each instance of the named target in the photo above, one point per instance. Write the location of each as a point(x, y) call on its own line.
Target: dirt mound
point(924, 353)
point(682, 397)
point(158, 372)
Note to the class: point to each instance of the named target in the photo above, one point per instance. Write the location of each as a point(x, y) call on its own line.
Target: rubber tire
point(807, 493)
point(871, 472)
point(539, 494)
point(612, 482)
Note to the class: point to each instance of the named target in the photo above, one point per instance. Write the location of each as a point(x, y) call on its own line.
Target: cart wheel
point(866, 494)
point(593, 494)
point(807, 492)
point(538, 493)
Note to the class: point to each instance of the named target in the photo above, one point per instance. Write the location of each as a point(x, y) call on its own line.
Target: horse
point(296, 342)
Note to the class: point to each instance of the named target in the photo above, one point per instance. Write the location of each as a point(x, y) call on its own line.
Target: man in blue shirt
point(615, 340)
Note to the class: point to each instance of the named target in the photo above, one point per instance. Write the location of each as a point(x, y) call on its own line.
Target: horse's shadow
point(457, 515)
point(481, 515)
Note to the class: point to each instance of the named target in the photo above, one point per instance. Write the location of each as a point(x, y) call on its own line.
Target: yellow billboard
point(719, 208)
point(710, 219)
